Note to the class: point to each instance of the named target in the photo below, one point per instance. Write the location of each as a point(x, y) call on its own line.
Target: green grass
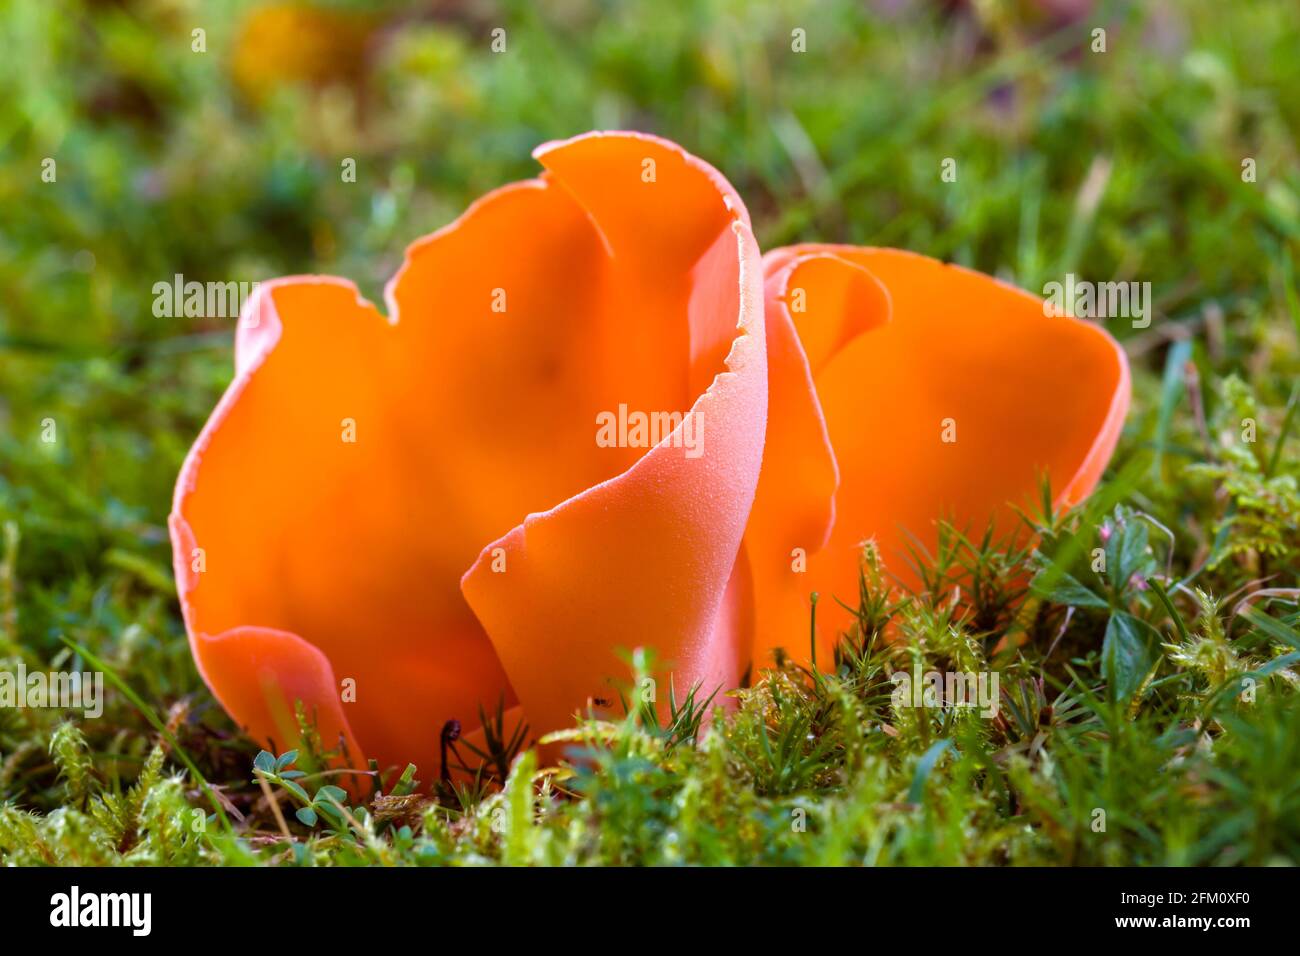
point(1124, 698)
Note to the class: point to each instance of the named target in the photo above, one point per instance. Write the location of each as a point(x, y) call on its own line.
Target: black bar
point(557, 908)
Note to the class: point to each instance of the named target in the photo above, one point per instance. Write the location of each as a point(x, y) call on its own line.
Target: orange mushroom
point(281, 44)
point(398, 520)
point(914, 391)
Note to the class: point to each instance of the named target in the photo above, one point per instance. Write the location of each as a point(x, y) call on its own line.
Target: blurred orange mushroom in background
point(915, 392)
point(282, 44)
point(397, 521)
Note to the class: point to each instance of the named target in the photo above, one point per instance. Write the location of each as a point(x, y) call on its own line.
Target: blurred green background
point(224, 165)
